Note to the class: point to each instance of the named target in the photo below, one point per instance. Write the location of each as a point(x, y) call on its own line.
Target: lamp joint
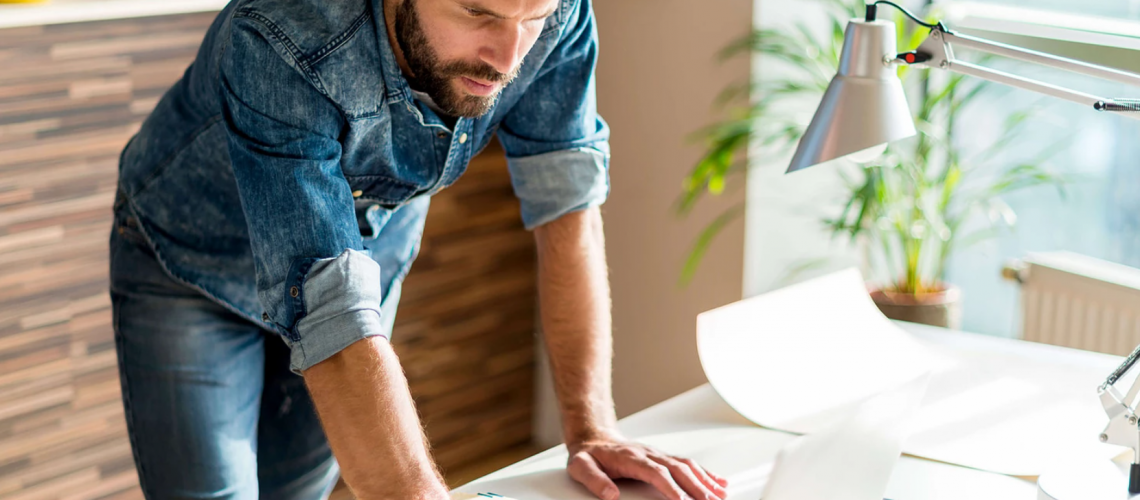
point(914, 57)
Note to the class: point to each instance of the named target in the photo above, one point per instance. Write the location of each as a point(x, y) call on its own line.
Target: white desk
point(699, 425)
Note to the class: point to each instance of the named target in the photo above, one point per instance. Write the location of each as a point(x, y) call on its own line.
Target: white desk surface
point(75, 11)
point(700, 425)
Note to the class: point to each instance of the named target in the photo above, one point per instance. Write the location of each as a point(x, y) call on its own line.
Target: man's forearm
point(575, 307)
point(367, 412)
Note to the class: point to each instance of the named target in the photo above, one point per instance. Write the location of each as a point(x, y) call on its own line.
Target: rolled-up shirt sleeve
point(556, 143)
point(320, 291)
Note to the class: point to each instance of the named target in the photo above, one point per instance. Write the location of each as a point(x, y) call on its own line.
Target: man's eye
point(473, 12)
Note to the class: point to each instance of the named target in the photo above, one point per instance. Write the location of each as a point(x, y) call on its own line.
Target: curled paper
point(799, 358)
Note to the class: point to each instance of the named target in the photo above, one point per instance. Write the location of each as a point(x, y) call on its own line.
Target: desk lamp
point(864, 108)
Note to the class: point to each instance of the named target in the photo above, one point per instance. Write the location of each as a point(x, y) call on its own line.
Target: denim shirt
point(288, 173)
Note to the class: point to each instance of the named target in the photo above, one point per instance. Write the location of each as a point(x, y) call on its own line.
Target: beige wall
point(657, 79)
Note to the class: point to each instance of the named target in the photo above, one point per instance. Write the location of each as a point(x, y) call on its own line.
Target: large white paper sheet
point(699, 425)
point(798, 358)
point(696, 425)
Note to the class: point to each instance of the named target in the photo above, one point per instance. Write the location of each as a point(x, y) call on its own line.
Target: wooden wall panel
point(70, 97)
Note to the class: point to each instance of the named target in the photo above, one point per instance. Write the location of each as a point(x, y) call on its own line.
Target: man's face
point(463, 52)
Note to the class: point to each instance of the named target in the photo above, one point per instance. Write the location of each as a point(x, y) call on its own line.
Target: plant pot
point(943, 308)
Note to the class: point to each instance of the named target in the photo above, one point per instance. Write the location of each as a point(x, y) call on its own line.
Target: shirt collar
point(394, 82)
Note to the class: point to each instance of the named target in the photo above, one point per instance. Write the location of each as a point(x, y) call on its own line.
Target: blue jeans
point(211, 406)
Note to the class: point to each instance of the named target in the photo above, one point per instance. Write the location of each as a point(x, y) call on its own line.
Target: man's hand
point(598, 462)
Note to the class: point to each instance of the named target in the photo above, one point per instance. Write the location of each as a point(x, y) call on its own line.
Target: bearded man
point(278, 191)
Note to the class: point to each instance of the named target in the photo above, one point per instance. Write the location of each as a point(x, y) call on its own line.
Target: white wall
point(786, 242)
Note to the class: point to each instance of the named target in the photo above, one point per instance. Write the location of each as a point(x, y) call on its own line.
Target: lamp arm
point(936, 51)
point(1123, 368)
point(1123, 428)
point(1042, 58)
point(1012, 80)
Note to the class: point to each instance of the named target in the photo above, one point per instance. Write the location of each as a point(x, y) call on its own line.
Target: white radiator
point(1072, 300)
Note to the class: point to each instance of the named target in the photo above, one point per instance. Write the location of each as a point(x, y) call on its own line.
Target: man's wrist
point(428, 489)
point(578, 433)
point(590, 420)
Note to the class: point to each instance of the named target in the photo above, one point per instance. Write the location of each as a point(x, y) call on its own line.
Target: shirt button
point(265, 317)
point(294, 292)
point(441, 135)
point(357, 193)
point(462, 138)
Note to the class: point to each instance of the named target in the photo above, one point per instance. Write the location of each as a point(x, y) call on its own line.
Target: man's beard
point(435, 77)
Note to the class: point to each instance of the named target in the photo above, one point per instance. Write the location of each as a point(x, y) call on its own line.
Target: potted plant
point(910, 207)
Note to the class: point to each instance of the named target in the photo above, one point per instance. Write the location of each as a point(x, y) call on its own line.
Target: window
point(1107, 8)
point(1100, 216)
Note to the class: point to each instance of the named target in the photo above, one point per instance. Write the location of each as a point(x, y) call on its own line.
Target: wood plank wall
point(70, 97)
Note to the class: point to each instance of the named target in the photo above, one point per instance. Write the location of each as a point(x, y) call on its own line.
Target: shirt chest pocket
point(381, 190)
point(376, 197)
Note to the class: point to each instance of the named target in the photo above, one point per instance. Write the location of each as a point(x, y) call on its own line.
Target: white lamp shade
point(864, 105)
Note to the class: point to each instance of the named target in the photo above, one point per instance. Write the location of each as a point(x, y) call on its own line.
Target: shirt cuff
point(553, 184)
point(342, 303)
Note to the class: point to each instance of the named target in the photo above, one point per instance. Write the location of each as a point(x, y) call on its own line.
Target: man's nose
point(505, 51)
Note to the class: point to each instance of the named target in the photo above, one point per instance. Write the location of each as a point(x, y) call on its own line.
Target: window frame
point(1042, 24)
